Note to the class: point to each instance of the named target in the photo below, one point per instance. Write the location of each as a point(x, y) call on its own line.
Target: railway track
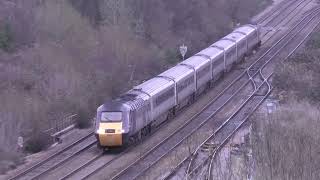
point(276, 10)
point(99, 161)
point(141, 165)
point(193, 167)
point(56, 159)
point(88, 163)
point(288, 12)
point(96, 163)
point(107, 162)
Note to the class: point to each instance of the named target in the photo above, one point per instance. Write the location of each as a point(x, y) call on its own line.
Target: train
point(134, 114)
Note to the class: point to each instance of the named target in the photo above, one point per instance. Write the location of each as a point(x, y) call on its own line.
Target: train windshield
point(111, 116)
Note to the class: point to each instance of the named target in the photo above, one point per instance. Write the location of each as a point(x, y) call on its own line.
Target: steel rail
point(88, 146)
point(286, 35)
point(50, 157)
point(99, 168)
point(226, 122)
point(82, 166)
point(290, 12)
point(108, 163)
point(40, 163)
point(180, 164)
point(219, 129)
point(299, 2)
point(139, 159)
point(91, 161)
point(275, 10)
point(239, 126)
point(265, 80)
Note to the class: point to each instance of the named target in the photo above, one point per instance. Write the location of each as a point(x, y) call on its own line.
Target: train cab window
point(111, 116)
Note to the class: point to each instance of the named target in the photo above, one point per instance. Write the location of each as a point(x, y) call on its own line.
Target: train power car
point(135, 113)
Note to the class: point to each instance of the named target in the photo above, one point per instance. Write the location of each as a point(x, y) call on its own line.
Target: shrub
point(83, 119)
point(172, 56)
point(38, 142)
point(5, 37)
point(300, 76)
point(286, 143)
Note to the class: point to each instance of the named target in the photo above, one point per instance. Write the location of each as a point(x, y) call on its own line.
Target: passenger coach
point(137, 112)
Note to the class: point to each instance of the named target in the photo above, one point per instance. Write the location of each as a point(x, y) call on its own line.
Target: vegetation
point(71, 56)
point(9, 160)
point(83, 119)
point(286, 143)
point(5, 37)
point(37, 142)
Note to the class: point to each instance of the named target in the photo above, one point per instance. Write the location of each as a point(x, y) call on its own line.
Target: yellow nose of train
point(110, 134)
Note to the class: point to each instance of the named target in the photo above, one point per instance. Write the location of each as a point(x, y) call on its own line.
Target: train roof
point(247, 29)
point(177, 72)
point(212, 52)
point(154, 85)
point(196, 61)
point(224, 43)
point(237, 36)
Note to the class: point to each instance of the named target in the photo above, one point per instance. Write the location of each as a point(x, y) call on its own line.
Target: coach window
point(185, 83)
point(165, 96)
point(217, 62)
point(203, 72)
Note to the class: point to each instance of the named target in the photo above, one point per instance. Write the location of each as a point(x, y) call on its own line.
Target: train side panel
point(217, 60)
point(202, 67)
point(184, 79)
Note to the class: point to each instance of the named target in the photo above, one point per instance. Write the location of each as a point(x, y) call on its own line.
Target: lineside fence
point(62, 125)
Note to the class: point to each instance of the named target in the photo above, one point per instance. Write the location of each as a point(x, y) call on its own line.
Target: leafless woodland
point(61, 57)
point(286, 143)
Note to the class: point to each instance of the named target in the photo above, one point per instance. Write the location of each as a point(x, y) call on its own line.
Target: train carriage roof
point(154, 85)
point(177, 72)
point(236, 36)
point(225, 44)
point(196, 61)
point(212, 52)
point(247, 29)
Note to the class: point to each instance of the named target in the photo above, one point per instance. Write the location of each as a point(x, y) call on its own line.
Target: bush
point(172, 56)
point(300, 76)
point(38, 142)
point(83, 120)
point(286, 143)
point(5, 38)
